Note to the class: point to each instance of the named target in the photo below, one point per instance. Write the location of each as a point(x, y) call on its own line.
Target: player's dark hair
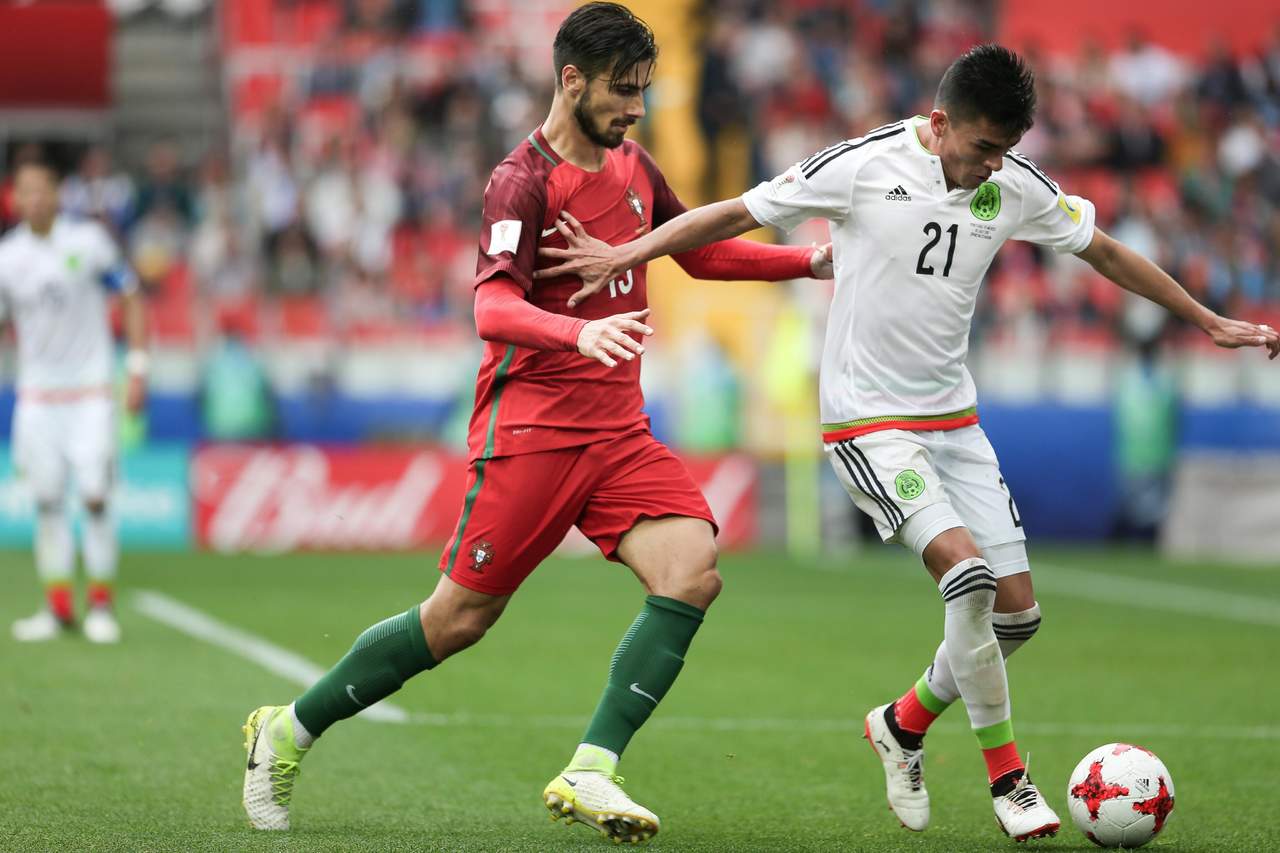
point(990, 82)
point(603, 38)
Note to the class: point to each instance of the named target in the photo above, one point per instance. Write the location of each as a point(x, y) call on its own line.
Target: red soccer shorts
point(518, 508)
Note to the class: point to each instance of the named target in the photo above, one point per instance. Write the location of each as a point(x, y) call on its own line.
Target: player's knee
point(95, 506)
point(697, 581)
point(48, 508)
point(948, 549)
point(462, 633)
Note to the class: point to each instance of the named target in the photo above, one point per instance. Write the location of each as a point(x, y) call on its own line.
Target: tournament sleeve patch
point(787, 184)
point(504, 236)
point(1071, 210)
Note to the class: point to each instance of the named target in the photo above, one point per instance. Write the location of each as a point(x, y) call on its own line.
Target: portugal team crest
point(986, 202)
point(481, 556)
point(636, 203)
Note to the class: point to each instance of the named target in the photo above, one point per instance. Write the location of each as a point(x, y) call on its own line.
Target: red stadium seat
point(303, 317)
point(248, 22)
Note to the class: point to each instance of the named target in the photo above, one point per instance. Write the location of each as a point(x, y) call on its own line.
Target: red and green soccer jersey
point(530, 400)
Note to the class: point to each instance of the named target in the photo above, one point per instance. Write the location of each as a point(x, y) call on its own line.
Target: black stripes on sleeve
point(814, 164)
point(1023, 162)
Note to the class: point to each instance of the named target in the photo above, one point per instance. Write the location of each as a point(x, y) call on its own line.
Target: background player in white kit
point(56, 278)
point(918, 210)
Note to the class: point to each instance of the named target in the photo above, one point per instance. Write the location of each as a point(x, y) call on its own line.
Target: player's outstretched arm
point(597, 263)
point(1138, 275)
point(505, 316)
point(741, 259)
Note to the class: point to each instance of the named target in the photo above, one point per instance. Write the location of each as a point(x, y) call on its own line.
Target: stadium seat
point(302, 318)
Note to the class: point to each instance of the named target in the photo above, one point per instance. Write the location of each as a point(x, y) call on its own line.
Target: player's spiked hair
point(603, 38)
point(990, 82)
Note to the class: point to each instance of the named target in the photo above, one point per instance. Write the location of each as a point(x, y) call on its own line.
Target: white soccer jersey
point(909, 259)
point(55, 289)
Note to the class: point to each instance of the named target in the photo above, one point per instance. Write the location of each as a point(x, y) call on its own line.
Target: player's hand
point(606, 339)
point(821, 263)
point(594, 261)
point(135, 393)
point(1233, 334)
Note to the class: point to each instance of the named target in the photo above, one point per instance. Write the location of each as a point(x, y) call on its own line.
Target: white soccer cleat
point(1022, 813)
point(39, 628)
point(597, 799)
point(272, 767)
point(903, 772)
point(100, 626)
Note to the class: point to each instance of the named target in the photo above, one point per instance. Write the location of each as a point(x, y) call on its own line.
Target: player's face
point(972, 150)
point(35, 192)
point(605, 112)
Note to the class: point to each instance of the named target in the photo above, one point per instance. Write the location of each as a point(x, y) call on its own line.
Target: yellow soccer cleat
point(272, 767)
point(597, 800)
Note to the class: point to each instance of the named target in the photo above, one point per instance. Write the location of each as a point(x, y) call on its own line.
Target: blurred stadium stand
point(306, 175)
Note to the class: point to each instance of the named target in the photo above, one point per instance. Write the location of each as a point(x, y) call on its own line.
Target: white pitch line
point(273, 658)
point(1153, 594)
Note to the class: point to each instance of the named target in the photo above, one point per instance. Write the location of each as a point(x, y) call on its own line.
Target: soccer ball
point(1120, 795)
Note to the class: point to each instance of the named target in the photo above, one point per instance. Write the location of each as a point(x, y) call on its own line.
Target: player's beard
point(611, 137)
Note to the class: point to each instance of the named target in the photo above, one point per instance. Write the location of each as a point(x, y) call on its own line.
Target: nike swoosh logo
point(351, 691)
point(254, 747)
point(635, 688)
point(572, 784)
point(549, 231)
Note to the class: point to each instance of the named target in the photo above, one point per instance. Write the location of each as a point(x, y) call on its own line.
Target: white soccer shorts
point(52, 440)
point(892, 475)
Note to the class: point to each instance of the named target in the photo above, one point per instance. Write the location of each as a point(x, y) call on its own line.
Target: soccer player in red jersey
point(558, 437)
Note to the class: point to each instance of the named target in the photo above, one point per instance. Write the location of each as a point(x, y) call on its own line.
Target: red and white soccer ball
point(1120, 795)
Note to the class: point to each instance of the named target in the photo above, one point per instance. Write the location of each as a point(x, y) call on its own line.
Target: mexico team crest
point(481, 556)
point(909, 484)
point(986, 202)
point(636, 203)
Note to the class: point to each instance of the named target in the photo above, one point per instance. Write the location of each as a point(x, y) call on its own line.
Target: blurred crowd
point(356, 166)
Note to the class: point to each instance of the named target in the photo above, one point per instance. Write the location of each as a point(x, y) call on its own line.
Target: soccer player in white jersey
point(918, 210)
point(56, 278)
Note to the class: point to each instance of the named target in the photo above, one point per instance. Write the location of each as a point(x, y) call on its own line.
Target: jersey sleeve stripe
point(1024, 159)
point(809, 161)
point(834, 153)
point(845, 148)
point(1035, 172)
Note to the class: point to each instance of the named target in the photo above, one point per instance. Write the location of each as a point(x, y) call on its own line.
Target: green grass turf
point(137, 747)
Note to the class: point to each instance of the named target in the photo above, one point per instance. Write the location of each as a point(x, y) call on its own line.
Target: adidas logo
point(897, 194)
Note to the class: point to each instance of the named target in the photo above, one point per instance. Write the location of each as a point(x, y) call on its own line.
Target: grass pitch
point(138, 747)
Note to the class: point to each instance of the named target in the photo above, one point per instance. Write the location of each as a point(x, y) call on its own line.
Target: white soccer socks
point(973, 652)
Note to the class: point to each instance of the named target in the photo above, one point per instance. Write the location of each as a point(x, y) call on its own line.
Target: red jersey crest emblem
point(636, 203)
point(481, 556)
